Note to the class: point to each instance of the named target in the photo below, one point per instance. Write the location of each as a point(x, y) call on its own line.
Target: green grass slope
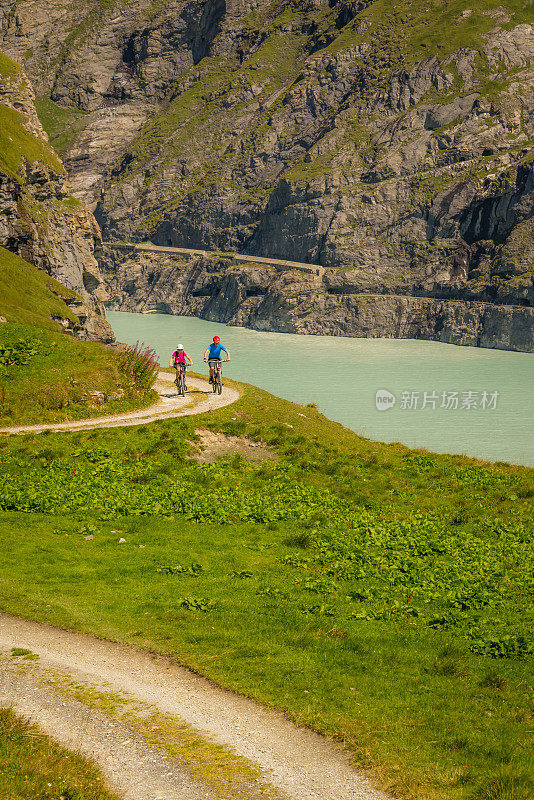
point(32, 765)
point(61, 124)
point(18, 145)
point(379, 595)
point(44, 374)
point(423, 28)
point(30, 296)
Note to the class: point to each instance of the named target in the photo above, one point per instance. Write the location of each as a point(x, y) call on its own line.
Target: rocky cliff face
point(39, 220)
point(278, 298)
point(391, 141)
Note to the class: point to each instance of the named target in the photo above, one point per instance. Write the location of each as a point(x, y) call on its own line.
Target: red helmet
point(216, 339)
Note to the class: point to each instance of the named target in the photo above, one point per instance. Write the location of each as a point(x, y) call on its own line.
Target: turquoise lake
point(447, 399)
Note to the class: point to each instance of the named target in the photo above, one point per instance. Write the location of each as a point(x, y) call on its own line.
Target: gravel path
point(131, 767)
point(300, 764)
point(169, 405)
point(297, 763)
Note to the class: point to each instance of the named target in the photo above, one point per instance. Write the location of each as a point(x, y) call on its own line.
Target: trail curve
point(169, 406)
point(298, 763)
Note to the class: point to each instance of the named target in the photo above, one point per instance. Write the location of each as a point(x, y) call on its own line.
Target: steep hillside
point(390, 140)
point(31, 297)
point(39, 220)
point(46, 376)
point(50, 282)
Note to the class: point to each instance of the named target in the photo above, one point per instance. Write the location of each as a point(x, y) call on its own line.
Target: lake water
point(478, 402)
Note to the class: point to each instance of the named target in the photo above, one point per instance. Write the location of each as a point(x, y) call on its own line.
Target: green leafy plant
point(241, 573)
point(196, 603)
point(193, 569)
point(17, 353)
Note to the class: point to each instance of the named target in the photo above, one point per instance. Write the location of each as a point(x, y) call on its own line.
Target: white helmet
point(180, 347)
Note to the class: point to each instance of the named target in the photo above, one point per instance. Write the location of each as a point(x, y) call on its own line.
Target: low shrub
point(140, 365)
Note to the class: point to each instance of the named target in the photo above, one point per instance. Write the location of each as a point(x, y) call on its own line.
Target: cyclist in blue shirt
point(213, 353)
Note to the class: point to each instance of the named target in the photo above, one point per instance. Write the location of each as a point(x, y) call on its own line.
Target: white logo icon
point(384, 400)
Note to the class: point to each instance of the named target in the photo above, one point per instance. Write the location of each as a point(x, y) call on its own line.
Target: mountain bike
point(180, 380)
point(216, 365)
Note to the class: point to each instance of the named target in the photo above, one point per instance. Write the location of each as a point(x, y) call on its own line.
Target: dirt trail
point(296, 762)
point(169, 405)
point(131, 767)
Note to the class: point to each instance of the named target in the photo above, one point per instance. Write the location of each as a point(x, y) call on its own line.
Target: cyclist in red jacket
point(214, 353)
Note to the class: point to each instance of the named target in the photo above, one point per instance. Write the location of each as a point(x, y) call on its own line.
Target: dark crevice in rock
point(207, 28)
point(204, 291)
point(347, 11)
point(494, 217)
point(90, 281)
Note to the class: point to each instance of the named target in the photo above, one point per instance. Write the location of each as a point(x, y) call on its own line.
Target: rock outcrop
point(39, 220)
point(390, 141)
point(277, 298)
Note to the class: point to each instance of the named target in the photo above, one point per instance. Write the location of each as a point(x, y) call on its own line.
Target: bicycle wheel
point(181, 384)
point(219, 382)
point(214, 381)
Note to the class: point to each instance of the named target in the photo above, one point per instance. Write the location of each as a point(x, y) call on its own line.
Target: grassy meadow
point(32, 765)
point(376, 594)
